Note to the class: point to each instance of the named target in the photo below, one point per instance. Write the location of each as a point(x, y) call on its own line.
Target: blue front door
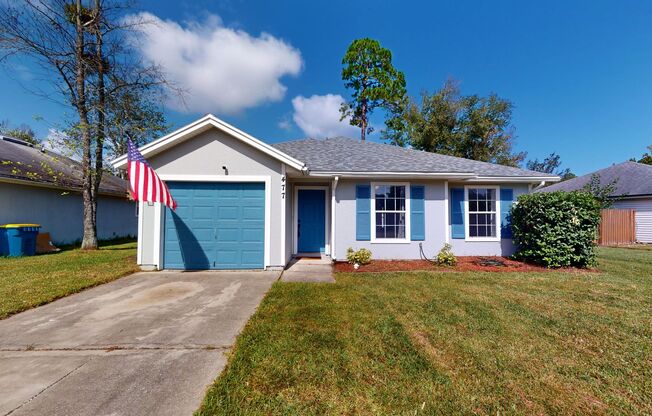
point(215, 226)
point(311, 220)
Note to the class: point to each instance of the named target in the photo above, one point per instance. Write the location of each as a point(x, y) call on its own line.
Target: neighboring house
point(245, 204)
point(633, 190)
point(39, 186)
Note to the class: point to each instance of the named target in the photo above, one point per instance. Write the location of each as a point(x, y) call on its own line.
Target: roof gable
point(201, 125)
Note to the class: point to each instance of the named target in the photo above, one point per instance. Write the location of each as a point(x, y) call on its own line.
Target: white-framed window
point(390, 207)
point(482, 213)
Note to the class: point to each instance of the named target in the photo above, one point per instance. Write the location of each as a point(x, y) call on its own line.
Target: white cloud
point(285, 124)
point(319, 116)
point(223, 70)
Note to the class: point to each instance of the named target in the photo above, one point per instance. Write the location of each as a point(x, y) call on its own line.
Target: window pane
point(491, 219)
point(389, 199)
point(482, 206)
point(491, 194)
point(482, 193)
point(491, 230)
point(473, 205)
point(482, 231)
point(473, 219)
point(473, 194)
point(491, 206)
point(381, 191)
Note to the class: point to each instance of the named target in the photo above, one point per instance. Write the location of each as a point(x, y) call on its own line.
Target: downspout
point(334, 188)
point(539, 186)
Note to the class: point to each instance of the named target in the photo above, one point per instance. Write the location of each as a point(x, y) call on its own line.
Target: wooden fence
point(617, 226)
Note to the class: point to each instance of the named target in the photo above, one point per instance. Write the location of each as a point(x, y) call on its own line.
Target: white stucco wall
point(60, 212)
point(436, 226)
point(204, 155)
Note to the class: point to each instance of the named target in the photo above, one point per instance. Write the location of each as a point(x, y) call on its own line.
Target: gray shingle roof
point(19, 160)
point(633, 179)
point(342, 154)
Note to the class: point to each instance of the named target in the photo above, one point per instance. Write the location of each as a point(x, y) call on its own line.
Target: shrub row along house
point(632, 190)
point(245, 204)
point(42, 187)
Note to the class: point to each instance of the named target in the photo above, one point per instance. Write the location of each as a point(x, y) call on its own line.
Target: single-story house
point(39, 186)
point(246, 204)
point(633, 190)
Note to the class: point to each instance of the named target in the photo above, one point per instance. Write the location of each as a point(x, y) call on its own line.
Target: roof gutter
point(379, 175)
point(48, 185)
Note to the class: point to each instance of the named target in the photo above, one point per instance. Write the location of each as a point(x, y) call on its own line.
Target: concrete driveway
point(145, 344)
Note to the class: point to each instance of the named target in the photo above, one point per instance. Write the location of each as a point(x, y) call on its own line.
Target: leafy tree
point(369, 73)
point(22, 132)
point(135, 117)
point(449, 123)
point(551, 165)
point(83, 50)
point(604, 194)
point(646, 158)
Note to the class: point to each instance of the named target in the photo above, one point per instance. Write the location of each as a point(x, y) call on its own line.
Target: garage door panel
point(216, 226)
point(228, 235)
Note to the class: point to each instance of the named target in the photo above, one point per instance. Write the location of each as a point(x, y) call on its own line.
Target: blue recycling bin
point(18, 239)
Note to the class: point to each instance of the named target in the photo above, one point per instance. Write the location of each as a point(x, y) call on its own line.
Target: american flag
point(145, 184)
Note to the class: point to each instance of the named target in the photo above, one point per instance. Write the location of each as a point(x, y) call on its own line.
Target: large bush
point(556, 229)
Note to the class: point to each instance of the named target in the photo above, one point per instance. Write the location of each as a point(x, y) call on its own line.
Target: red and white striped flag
point(145, 184)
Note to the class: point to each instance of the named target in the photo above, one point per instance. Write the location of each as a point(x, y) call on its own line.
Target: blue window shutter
point(417, 213)
point(363, 212)
point(457, 213)
point(506, 201)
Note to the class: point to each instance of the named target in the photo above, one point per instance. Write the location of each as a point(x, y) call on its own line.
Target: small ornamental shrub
point(445, 257)
point(556, 229)
point(362, 256)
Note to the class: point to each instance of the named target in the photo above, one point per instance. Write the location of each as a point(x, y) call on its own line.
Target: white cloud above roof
point(223, 70)
point(319, 116)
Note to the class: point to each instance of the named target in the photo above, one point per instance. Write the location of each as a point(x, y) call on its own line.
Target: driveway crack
point(48, 387)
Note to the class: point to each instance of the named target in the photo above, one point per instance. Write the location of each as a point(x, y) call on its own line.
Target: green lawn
point(26, 282)
point(449, 343)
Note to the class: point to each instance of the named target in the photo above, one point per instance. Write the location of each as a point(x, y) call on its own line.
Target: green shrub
point(362, 256)
point(445, 257)
point(556, 229)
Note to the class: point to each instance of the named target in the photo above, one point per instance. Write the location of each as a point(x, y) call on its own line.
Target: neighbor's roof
point(25, 163)
point(634, 179)
point(342, 154)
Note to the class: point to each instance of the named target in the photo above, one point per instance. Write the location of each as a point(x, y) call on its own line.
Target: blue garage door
point(215, 226)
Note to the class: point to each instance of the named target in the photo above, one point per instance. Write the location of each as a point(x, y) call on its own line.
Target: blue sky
point(579, 73)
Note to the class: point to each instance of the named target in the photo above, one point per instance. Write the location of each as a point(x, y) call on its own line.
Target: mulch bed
point(464, 264)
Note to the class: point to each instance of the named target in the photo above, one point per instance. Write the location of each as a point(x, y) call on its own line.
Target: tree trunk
point(363, 121)
point(101, 111)
point(89, 240)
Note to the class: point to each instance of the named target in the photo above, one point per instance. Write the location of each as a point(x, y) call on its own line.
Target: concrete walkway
point(145, 344)
point(307, 269)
